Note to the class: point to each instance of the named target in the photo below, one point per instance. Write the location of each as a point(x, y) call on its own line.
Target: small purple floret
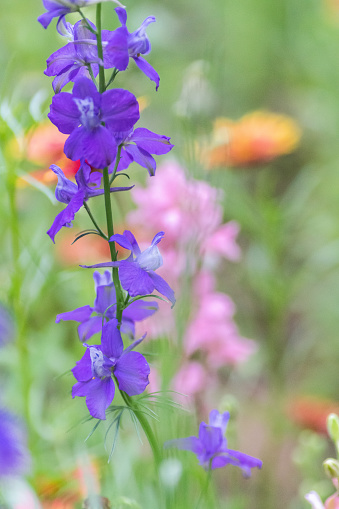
point(138, 145)
point(74, 195)
point(91, 318)
point(14, 455)
point(132, 45)
point(137, 273)
point(95, 370)
point(211, 446)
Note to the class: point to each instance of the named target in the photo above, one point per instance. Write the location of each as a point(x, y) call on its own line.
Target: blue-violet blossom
point(126, 45)
point(74, 195)
point(82, 114)
point(59, 9)
point(138, 145)
point(211, 446)
point(94, 371)
point(136, 273)
point(14, 455)
point(90, 318)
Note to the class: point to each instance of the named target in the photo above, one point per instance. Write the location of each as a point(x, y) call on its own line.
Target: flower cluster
point(100, 136)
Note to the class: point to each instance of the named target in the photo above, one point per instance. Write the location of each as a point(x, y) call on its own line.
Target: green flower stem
point(206, 486)
point(116, 164)
point(110, 231)
point(102, 86)
point(145, 426)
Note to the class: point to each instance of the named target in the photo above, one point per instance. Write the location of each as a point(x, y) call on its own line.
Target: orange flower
point(257, 137)
point(311, 412)
point(44, 145)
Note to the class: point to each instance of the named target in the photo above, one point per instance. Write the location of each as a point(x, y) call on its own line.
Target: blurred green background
point(220, 58)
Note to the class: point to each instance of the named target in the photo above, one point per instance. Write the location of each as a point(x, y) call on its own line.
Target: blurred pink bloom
point(190, 379)
point(213, 331)
point(188, 210)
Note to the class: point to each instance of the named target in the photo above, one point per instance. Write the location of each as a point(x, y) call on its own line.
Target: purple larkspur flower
point(59, 9)
point(211, 446)
point(72, 60)
point(14, 455)
point(90, 318)
point(74, 195)
point(138, 145)
point(82, 115)
point(126, 45)
point(136, 273)
point(95, 369)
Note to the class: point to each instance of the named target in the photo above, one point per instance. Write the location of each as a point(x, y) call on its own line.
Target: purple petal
point(127, 241)
point(135, 280)
point(120, 109)
point(67, 215)
point(219, 420)
point(151, 142)
point(132, 372)
point(100, 265)
point(78, 315)
point(99, 395)
point(105, 298)
point(122, 15)
point(143, 158)
point(61, 60)
point(102, 279)
point(140, 309)
point(125, 160)
point(162, 287)
point(89, 327)
point(83, 88)
point(147, 69)
point(186, 444)
point(65, 189)
point(111, 342)
point(97, 146)
point(211, 438)
point(82, 370)
point(116, 52)
point(64, 113)
point(244, 461)
point(122, 241)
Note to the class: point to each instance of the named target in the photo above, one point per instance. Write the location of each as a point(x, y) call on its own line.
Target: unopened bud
point(331, 467)
point(333, 427)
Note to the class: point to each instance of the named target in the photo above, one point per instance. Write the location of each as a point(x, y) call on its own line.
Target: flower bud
point(333, 427)
point(331, 467)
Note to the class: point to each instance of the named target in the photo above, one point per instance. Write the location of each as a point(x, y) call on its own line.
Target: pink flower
point(188, 210)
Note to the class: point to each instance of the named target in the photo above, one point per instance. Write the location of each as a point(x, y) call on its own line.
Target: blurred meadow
point(249, 95)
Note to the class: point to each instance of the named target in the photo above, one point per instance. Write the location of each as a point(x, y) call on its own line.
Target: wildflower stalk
point(145, 426)
point(110, 231)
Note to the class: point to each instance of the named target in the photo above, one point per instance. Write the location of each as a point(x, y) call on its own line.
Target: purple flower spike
point(82, 114)
point(59, 9)
point(136, 273)
point(74, 195)
point(95, 370)
point(91, 318)
point(211, 446)
point(132, 45)
point(139, 145)
point(14, 455)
